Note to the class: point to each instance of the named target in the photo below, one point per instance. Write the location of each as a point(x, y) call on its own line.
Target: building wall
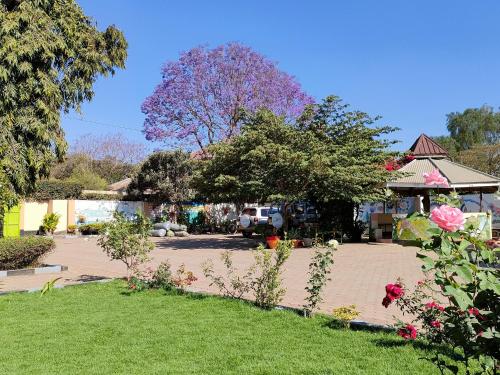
point(93, 211)
point(60, 207)
point(32, 215)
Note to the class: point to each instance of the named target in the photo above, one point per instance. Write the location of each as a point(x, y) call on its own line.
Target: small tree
point(163, 178)
point(266, 286)
point(127, 240)
point(319, 268)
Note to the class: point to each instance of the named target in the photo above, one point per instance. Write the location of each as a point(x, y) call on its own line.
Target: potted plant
point(272, 238)
point(307, 238)
point(294, 235)
point(49, 222)
point(71, 229)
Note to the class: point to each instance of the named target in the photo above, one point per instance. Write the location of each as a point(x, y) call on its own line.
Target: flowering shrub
point(345, 314)
point(461, 305)
point(183, 278)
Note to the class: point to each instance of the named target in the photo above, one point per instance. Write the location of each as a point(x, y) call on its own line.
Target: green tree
point(51, 54)
point(330, 155)
point(163, 177)
point(474, 126)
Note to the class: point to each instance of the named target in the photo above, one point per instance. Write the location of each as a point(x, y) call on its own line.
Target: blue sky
point(411, 62)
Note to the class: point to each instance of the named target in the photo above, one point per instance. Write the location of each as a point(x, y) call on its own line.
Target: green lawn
point(101, 329)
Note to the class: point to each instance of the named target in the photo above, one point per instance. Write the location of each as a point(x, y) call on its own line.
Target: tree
point(474, 126)
point(331, 155)
point(163, 178)
point(111, 157)
point(51, 54)
point(114, 147)
point(202, 95)
point(485, 158)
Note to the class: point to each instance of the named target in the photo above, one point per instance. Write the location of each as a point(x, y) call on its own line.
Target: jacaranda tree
point(202, 95)
point(51, 53)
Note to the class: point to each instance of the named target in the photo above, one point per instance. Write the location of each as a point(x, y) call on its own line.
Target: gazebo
point(427, 157)
point(430, 156)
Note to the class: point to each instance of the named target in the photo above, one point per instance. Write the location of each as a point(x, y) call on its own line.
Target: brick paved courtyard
point(359, 274)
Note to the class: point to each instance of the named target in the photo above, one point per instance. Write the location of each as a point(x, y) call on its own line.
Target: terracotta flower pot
point(272, 241)
point(297, 243)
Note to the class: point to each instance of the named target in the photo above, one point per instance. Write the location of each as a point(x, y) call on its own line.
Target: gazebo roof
point(459, 176)
point(425, 146)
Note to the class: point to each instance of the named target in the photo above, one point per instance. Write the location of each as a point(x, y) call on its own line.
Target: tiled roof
point(458, 176)
point(424, 146)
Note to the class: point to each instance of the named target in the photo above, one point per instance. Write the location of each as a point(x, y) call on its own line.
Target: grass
point(101, 329)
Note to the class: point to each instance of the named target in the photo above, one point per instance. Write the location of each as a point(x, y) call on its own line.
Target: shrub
point(319, 269)
point(345, 314)
point(55, 189)
point(183, 278)
point(127, 240)
point(267, 288)
point(71, 228)
point(50, 221)
point(233, 285)
point(465, 271)
point(161, 278)
point(23, 252)
point(94, 228)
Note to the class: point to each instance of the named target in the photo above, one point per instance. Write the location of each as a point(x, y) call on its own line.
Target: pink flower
point(433, 305)
point(435, 178)
point(448, 218)
point(408, 332)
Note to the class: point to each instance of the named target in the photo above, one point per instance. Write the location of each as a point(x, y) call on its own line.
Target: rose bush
point(459, 304)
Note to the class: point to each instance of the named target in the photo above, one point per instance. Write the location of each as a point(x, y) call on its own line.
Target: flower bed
point(23, 252)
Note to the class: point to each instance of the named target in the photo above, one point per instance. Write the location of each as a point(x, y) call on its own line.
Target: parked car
point(253, 219)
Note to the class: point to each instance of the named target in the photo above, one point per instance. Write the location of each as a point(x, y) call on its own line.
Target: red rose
point(392, 292)
point(436, 324)
point(433, 305)
point(386, 302)
point(408, 332)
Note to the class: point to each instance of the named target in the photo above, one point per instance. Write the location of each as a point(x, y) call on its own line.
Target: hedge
point(23, 252)
point(54, 189)
point(94, 228)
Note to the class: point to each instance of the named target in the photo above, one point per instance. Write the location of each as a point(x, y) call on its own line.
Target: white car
point(251, 218)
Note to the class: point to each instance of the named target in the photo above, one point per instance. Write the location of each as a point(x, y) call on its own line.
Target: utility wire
point(103, 123)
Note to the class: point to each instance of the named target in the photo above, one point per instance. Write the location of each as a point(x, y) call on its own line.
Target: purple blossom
point(201, 95)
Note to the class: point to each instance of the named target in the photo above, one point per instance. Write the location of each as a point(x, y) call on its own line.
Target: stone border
point(34, 271)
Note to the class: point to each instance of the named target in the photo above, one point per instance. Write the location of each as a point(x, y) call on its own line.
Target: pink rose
point(436, 178)
point(448, 218)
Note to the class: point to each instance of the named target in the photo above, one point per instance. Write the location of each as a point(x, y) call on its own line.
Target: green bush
point(55, 189)
point(50, 221)
point(23, 252)
point(94, 228)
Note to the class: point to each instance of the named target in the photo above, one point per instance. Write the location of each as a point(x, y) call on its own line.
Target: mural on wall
point(87, 211)
point(402, 206)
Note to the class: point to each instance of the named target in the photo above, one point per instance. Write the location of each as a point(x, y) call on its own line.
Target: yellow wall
point(60, 207)
point(32, 216)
